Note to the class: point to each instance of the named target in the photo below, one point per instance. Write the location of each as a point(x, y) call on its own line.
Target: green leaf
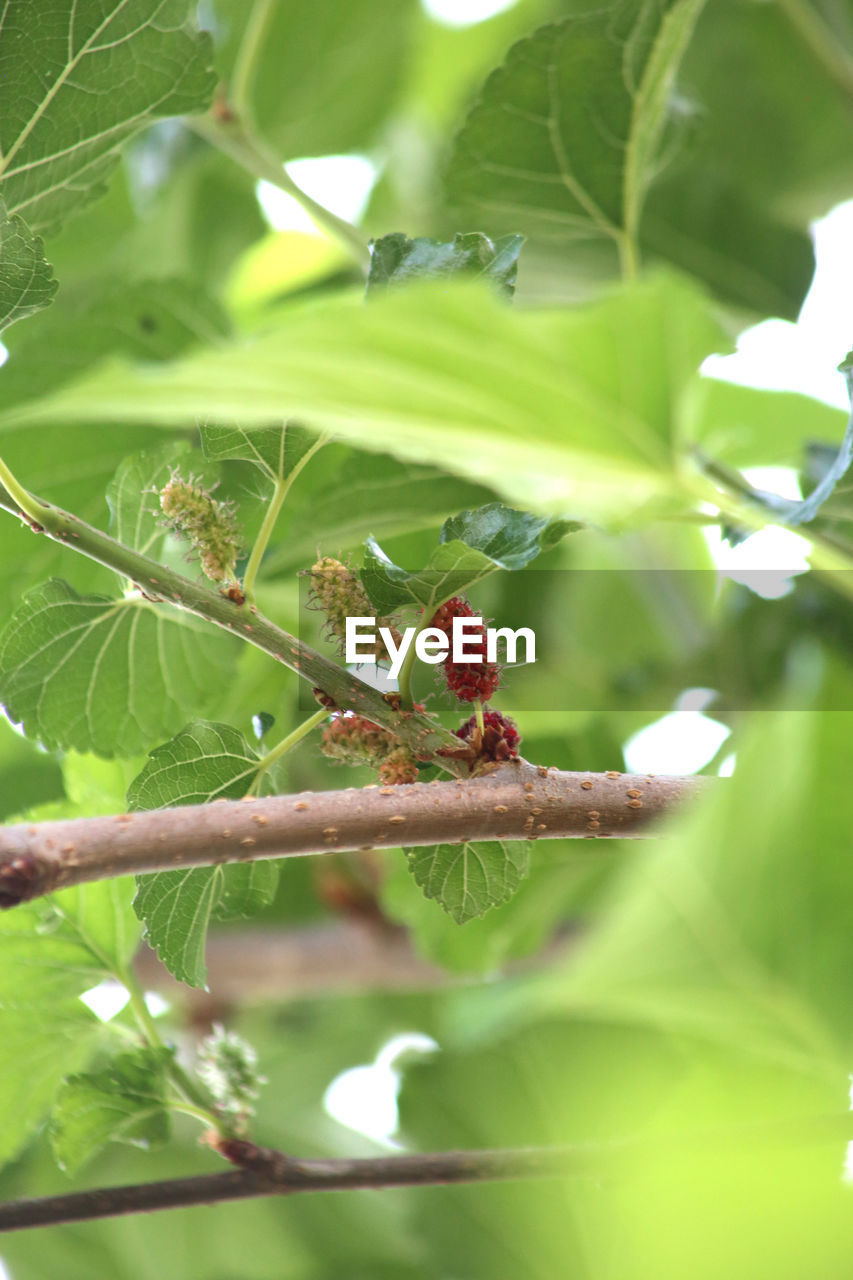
point(725, 930)
point(27, 776)
point(45, 1029)
point(366, 490)
point(511, 538)
point(177, 907)
point(451, 568)
point(277, 451)
point(96, 786)
point(151, 320)
point(199, 223)
point(566, 135)
point(124, 1101)
point(102, 918)
point(467, 879)
point(711, 1208)
point(703, 225)
point(70, 466)
point(396, 260)
point(245, 888)
point(551, 895)
point(570, 132)
point(741, 66)
point(321, 87)
point(577, 411)
point(77, 83)
point(109, 676)
point(473, 544)
point(748, 427)
point(203, 762)
point(26, 279)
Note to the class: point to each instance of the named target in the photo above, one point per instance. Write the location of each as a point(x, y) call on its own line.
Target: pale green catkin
point(209, 525)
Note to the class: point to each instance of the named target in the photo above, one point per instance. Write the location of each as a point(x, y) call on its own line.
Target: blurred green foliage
point(683, 1006)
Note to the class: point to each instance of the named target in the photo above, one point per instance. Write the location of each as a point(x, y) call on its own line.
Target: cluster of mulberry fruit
point(474, 678)
point(352, 739)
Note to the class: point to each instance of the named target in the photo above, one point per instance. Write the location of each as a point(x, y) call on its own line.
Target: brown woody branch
point(252, 965)
point(518, 801)
point(266, 1172)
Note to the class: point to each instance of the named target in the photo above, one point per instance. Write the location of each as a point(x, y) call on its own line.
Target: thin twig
point(286, 1176)
point(236, 140)
point(518, 801)
point(265, 1172)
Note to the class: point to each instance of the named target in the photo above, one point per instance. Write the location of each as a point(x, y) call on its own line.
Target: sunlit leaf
point(77, 83)
point(566, 411)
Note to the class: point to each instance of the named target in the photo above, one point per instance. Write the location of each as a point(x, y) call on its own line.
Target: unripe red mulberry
point(211, 526)
point(400, 766)
point(500, 738)
point(352, 739)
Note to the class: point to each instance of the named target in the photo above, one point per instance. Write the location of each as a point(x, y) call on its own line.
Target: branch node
point(272, 1165)
point(22, 878)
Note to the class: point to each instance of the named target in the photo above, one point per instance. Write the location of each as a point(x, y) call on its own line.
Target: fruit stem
point(280, 492)
point(301, 731)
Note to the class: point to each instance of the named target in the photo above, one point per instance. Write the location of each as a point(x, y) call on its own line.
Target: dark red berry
point(456, 607)
point(475, 677)
point(499, 740)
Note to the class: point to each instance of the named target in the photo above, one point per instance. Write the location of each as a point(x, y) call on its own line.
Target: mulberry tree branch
point(518, 801)
point(259, 963)
point(265, 1172)
point(271, 1173)
point(424, 736)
